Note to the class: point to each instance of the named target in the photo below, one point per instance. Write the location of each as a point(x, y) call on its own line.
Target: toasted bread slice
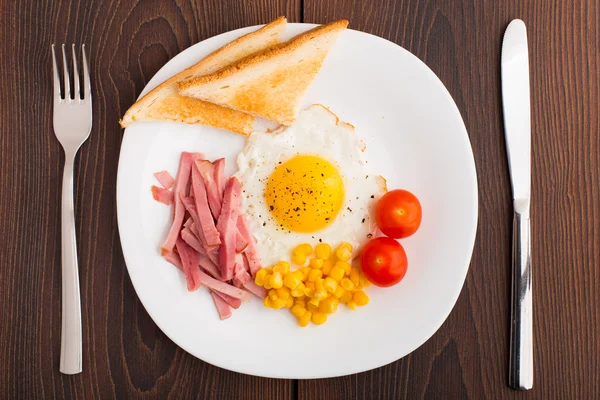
point(165, 104)
point(269, 84)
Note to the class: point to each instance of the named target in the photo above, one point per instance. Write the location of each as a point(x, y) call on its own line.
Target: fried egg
point(307, 183)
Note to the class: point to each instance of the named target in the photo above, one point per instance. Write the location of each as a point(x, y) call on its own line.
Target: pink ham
point(233, 302)
point(165, 179)
point(227, 227)
point(189, 260)
point(181, 184)
point(251, 251)
point(208, 266)
point(162, 195)
point(220, 175)
point(223, 287)
point(242, 276)
point(206, 224)
point(207, 170)
point(191, 240)
point(174, 259)
point(222, 306)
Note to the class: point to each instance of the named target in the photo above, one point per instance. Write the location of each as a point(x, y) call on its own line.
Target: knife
point(517, 131)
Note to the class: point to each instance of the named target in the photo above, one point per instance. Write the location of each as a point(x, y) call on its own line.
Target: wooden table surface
point(127, 356)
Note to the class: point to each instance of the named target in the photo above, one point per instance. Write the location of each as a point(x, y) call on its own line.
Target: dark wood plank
point(125, 354)
point(460, 41)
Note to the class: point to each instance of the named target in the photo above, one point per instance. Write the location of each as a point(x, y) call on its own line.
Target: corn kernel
point(309, 292)
point(355, 276)
point(259, 279)
point(283, 267)
point(267, 284)
point(351, 305)
point(316, 263)
point(304, 248)
point(319, 284)
point(319, 318)
point(344, 251)
point(298, 310)
point(267, 302)
point(346, 297)
point(346, 267)
point(339, 292)
point(269, 270)
point(323, 251)
point(314, 302)
point(311, 307)
point(347, 284)
point(276, 280)
point(304, 271)
point(310, 285)
point(314, 275)
point(298, 291)
point(327, 266)
point(337, 273)
point(299, 258)
point(278, 303)
point(283, 293)
point(289, 302)
point(301, 301)
point(273, 294)
point(320, 294)
point(329, 305)
point(364, 282)
point(305, 319)
point(361, 298)
point(291, 281)
point(330, 285)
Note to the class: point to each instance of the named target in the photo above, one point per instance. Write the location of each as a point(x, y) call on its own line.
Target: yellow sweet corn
point(276, 281)
point(330, 284)
point(298, 291)
point(347, 284)
point(319, 318)
point(299, 258)
point(289, 302)
point(278, 303)
point(304, 248)
point(319, 294)
point(323, 251)
point(269, 270)
point(298, 310)
point(291, 281)
point(259, 279)
point(267, 282)
point(304, 271)
point(267, 302)
point(283, 293)
point(316, 263)
point(355, 276)
point(305, 319)
point(337, 273)
point(364, 282)
point(308, 292)
point(283, 267)
point(361, 298)
point(346, 267)
point(327, 266)
point(311, 307)
point(329, 305)
point(310, 285)
point(344, 251)
point(301, 301)
point(339, 292)
point(351, 305)
point(319, 284)
point(346, 297)
point(314, 302)
point(272, 294)
point(314, 275)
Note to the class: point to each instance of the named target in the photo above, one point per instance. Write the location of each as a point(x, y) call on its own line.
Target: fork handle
point(520, 375)
point(70, 342)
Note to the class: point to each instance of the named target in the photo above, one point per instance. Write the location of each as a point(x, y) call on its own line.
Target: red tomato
point(383, 261)
point(398, 214)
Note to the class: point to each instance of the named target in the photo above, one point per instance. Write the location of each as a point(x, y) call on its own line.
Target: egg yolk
point(305, 193)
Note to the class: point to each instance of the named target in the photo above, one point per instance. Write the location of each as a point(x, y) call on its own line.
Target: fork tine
point(55, 75)
point(87, 87)
point(66, 77)
point(77, 94)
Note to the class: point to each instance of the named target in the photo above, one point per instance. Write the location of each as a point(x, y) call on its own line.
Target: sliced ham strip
point(219, 166)
point(222, 306)
point(174, 259)
point(181, 184)
point(207, 171)
point(233, 302)
point(165, 179)
point(188, 222)
point(206, 224)
point(242, 276)
point(162, 195)
point(223, 287)
point(227, 227)
point(188, 203)
point(189, 260)
point(251, 250)
point(191, 240)
point(240, 242)
point(208, 266)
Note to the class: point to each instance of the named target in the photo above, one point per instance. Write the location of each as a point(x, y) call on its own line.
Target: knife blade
point(517, 131)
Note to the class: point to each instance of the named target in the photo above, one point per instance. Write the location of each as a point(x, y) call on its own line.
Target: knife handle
point(520, 376)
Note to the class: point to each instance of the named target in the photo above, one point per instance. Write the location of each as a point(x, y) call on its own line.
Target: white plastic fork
point(72, 125)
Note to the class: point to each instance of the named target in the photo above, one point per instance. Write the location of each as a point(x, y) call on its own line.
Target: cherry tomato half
point(398, 214)
point(383, 261)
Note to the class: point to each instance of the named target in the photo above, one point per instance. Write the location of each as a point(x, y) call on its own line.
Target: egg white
point(317, 132)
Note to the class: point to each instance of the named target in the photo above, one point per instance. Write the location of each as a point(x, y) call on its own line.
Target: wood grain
point(460, 41)
point(127, 356)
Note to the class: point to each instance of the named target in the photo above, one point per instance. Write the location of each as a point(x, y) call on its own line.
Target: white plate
point(415, 138)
